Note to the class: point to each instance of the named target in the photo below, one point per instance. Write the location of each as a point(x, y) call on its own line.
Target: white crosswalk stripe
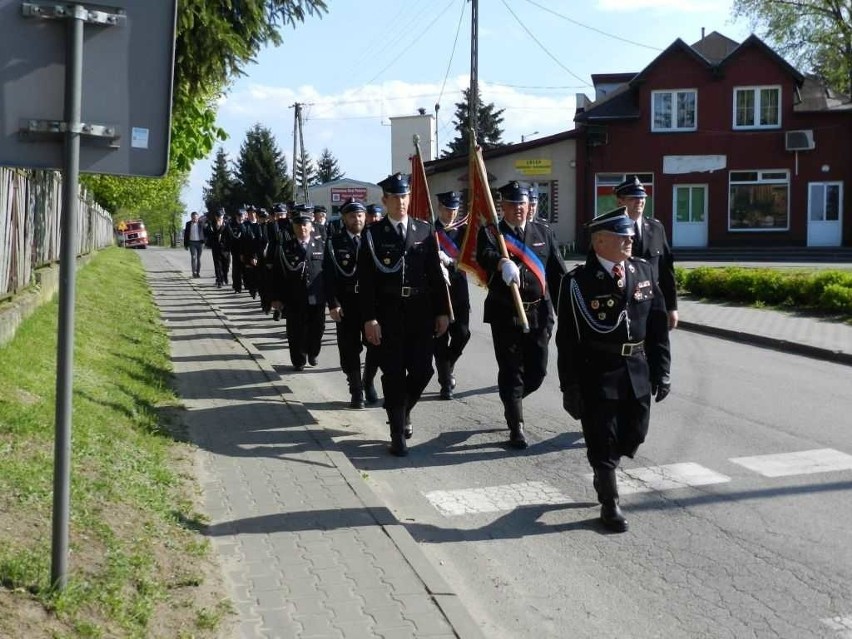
point(666, 477)
point(468, 501)
point(804, 462)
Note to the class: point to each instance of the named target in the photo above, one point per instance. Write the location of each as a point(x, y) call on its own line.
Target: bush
point(829, 291)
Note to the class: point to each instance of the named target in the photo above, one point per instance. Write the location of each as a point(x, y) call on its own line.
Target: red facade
point(715, 183)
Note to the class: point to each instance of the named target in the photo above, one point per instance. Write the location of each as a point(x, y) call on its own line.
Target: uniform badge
point(345, 262)
point(631, 268)
point(386, 261)
point(621, 283)
point(610, 303)
point(595, 304)
point(637, 295)
point(599, 275)
point(601, 316)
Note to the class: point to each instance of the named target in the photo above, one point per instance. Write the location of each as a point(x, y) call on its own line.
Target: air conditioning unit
point(799, 140)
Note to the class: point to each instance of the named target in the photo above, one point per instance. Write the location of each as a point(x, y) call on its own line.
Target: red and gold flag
point(478, 215)
point(418, 208)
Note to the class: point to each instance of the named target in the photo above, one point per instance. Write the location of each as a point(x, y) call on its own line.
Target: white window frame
point(825, 186)
point(756, 111)
point(761, 179)
point(674, 127)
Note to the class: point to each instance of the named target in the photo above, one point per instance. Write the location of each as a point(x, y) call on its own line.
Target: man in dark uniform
point(320, 222)
point(403, 304)
point(298, 279)
point(650, 241)
point(449, 347)
point(279, 233)
point(220, 247)
point(375, 212)
point(235, 236)
point(340, 273)
point(613, 352)
point(534, 264)
point(252, 245)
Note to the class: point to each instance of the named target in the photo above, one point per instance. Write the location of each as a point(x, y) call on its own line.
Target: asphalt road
point(730, 535)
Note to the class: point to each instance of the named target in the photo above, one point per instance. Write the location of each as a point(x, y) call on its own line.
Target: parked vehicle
point(132, 234)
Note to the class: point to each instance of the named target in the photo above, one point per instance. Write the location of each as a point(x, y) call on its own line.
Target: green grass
point(132, 560)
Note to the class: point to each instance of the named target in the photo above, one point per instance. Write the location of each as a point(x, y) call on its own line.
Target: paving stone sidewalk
point(307, 548)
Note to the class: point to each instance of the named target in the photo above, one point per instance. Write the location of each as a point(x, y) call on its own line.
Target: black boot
point(514, 414)
point(368, 382)
point(444, 379)
point(356, 391)
point(611, 516)
point(396, 418)
point(357, 400)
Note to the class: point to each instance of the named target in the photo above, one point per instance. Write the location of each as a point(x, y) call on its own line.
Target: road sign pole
point(67, 277)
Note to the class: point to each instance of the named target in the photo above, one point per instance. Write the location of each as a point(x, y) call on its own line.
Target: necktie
point(618, 274)
point(357, 239)
point(519, 231)
point(401, 231)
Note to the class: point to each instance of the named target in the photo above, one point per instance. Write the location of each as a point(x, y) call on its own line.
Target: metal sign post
point(120, 105)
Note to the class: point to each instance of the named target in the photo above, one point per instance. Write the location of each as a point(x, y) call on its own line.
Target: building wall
point(403, 130)
point(631, 147)
point(505, 168)
point(322, 194)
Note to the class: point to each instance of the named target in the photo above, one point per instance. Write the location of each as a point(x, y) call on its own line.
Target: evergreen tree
point(488, 131)
point(261, 170)
point(328, 168)
point(219, 192)
point(306, 172)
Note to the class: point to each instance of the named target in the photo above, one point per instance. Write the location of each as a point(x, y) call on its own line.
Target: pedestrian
point(235, 235)
point(252, 246)
point(300, 290)
point(532, 214)
point(340, 274)
point(450, 345)
point(320, 221)
point(403, 304)
point(279, 232)
point(613, 352)
point(220, 247)
point(650, 241)
point(193, 241)
point(375, 212)
point(535, 267)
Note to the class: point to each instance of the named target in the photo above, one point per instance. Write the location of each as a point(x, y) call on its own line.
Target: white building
point(333, 194)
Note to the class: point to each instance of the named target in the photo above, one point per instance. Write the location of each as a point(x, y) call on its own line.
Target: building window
point(757, 108)
point(606, 182)
point(824, 199)
point(690, 203)
point(674, 110)
point(759, 201)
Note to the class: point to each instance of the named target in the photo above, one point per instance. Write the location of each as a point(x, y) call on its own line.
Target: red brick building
point(734, 145)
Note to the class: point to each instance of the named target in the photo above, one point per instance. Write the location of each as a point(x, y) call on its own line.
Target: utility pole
point(298, 108)
point(474, 68)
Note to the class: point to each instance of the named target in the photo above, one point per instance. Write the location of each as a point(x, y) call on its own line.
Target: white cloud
point(689, 6)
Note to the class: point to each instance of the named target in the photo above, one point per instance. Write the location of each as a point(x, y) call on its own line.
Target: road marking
point(666, 477)
point(466, 501)
point(805, 462)
point(843, 626)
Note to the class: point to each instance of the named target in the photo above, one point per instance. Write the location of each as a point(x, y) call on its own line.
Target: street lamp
point(526, 135)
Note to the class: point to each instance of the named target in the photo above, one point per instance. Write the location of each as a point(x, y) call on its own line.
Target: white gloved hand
point(446, 260)
point(510, 273)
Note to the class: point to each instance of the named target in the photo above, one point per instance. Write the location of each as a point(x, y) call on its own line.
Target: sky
point(367, 60)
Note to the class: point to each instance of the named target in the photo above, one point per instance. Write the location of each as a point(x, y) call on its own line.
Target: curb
point(456, 614)
point(785, 346)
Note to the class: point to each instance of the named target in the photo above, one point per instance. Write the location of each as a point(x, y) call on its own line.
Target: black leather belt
point(350, 288)
point(402, 291)
point(625, 350)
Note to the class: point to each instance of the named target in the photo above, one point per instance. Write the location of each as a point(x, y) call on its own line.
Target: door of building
point(689, 220)
point(825, 224)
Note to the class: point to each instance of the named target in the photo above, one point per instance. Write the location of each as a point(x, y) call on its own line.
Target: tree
point(815, 35)
point(219, 192)
point(488, 131)
point(261, 170)
point(306, 172)
point(328, 168)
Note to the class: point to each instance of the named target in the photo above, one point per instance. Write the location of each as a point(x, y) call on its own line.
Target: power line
point(585, 26)
point(536, 40)
point(453, 52)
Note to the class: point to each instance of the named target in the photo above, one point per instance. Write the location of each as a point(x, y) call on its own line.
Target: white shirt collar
point(607, 265)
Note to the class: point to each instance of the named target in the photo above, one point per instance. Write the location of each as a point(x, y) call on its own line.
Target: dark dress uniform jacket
point(596, 318)
point(382, 285)
point(459, 293)
point(340, 274)
point(654, 247)
point(299, 275)
point(499, 306)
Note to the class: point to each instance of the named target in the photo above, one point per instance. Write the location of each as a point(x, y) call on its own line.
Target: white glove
point(446, 260)
point(446, 274)
point(510, 273)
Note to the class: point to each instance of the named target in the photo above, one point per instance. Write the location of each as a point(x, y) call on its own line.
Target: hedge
point(824, 291)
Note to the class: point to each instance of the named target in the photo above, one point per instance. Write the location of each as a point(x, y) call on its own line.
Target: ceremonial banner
point(477, 217)
point(418, 208)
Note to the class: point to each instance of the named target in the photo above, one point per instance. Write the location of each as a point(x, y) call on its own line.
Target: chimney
point(702, 33)
point(421, 111)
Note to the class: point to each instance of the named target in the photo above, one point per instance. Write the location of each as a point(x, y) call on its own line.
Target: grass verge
point(134, 569)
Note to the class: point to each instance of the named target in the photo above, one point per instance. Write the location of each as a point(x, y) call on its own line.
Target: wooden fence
point(30, 210)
